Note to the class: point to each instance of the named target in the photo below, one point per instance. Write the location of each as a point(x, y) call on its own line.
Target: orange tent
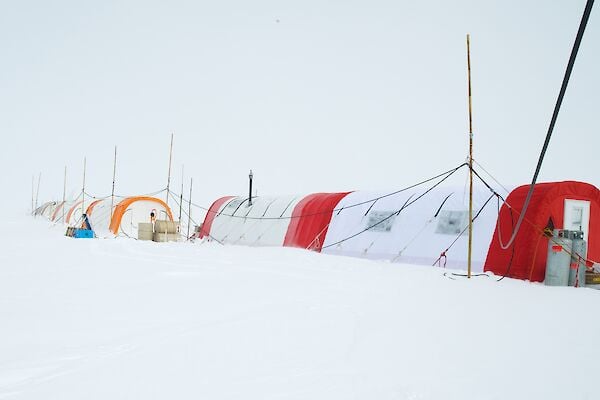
point(145, 204)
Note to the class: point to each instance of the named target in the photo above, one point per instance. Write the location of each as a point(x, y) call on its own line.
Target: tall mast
point(470, 161)
point(189, 209)
point(169, 174)
point(32, 193)
point(64, 194)
point(181, 196)
point(112, 193)
point(37, 193)
point(83, 188)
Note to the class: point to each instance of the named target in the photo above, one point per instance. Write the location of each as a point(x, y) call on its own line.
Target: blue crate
point(83, 234)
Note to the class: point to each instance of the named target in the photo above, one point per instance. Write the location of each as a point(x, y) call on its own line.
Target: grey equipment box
point(165, 237)
point(164, 226)
point(145, 231)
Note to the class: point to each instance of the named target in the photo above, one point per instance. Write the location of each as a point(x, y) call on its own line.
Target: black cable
point(445, 174)
point(561, 95)
point(512, 254)
point(442, 205)
point(447, 275)
point(268, 206)
point(404, 206)
point(124, 197)
point(195, 223)
point(368, 209)
point(464, 230)
point(485, 183)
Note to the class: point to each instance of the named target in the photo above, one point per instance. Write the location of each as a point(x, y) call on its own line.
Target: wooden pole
point(112, 193)
point(189, 210)
point(37, 193)
point(64, 194)
point(169, 174)
point(181, 196)
point(32, 193)
point(470, 247)
point(83, 188)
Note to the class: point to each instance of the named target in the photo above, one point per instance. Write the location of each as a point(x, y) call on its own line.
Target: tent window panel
point(452, 222)
point(233, 204)
point(378, 222)
point(577, 216)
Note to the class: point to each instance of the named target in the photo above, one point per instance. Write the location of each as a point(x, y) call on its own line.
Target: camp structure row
point(416, 226)
point(107, 217)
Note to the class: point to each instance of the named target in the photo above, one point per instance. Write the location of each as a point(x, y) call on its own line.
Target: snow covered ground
point(122, 319)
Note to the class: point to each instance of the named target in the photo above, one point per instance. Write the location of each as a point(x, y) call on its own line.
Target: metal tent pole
point(64, 195)
point(181, 195)
point(189, 210)
point(83, 188)
point(169, 174)
point(470, 247)
point(112, 193)
point(32, 193)
point(37, 193)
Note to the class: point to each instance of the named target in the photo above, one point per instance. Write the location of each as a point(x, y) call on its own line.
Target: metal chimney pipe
point(250, 176)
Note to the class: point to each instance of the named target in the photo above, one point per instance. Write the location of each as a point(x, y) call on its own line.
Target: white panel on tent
point(419, 233)
point(577, 216)
point(264, 223)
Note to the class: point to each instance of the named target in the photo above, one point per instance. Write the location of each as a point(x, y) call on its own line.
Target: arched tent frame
point(46, 209)
point(74, 214)
point(91, 207)
point(57, 211)
point(265, 222)
point(124, 206)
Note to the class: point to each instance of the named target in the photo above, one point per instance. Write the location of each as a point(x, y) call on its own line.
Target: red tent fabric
point(526, 257)
point(211, 214)
point(310, 220)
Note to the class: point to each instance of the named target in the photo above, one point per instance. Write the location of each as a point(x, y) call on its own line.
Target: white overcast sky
point(312, 95)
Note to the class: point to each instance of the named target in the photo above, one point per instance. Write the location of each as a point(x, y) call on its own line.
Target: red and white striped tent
point(415, 226)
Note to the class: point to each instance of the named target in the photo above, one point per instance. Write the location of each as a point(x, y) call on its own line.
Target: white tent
point(129, 212)
point(46, 209)
point(424, 224)
point(264, 223)
point(406, 228)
